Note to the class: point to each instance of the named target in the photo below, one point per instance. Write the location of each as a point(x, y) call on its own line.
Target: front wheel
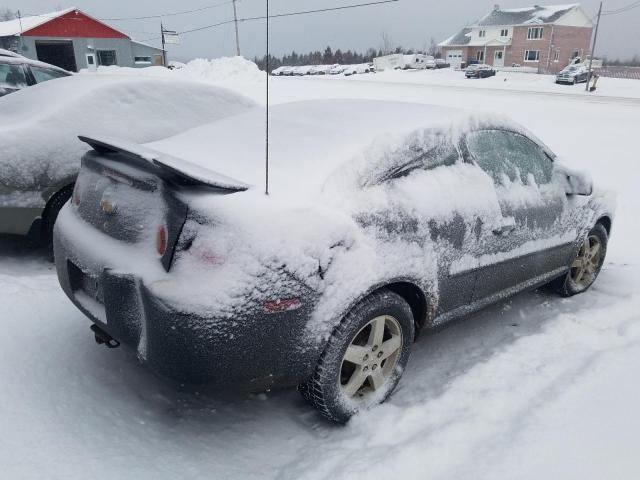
point(364, 358)
point(587, 264)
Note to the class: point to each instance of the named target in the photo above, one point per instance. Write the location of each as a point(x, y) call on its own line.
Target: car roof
point(310, 141)
point(9, 53)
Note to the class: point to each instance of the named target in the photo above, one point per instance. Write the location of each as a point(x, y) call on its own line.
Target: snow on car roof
point(41, 124)
point(309, 141)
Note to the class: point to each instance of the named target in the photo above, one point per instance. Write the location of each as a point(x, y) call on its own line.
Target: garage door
point(58, 53)
point(454, 58)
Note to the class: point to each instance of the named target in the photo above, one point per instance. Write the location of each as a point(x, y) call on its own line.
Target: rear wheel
point(51, 213)
point(364, 358)
point(586, 267)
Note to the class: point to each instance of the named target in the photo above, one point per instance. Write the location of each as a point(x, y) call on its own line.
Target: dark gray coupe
point(383, 219)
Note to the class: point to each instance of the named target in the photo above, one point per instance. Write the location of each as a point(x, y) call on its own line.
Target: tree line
point(330, 57)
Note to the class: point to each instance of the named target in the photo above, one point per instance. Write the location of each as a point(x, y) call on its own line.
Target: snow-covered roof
point(313, 144)
point(17, 26)
point(526, 16)
point(463, 37)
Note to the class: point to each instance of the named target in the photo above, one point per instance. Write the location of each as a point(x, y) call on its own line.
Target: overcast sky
point(410, 23)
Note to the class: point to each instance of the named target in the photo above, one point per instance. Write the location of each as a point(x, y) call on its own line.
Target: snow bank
point(236, 73)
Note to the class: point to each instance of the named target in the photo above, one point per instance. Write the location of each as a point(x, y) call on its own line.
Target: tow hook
point(103, 338)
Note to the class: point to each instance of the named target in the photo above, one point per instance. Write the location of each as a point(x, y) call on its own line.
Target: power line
point(624, 9)
point(291, 14)
point(171, 14)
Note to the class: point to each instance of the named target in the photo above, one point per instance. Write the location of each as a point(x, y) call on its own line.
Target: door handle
point(508, 226)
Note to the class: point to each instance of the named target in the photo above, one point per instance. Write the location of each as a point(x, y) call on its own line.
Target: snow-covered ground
point(537, 387)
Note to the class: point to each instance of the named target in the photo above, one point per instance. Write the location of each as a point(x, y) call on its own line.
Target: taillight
point(161, 240)
point(282, 305)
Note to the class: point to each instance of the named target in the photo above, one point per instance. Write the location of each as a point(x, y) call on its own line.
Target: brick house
point(544, 37)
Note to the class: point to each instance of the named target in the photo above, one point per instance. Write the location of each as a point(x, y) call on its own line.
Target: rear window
point(12, 76)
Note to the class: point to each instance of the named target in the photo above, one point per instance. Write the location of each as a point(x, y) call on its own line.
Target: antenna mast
point(266, 188)
point(235, 21)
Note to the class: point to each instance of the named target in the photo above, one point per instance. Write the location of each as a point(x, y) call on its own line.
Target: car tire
point(51, 212)
point(586, 265)
point(355, 373)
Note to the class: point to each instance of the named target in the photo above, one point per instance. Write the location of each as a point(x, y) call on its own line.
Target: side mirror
point(576, 183)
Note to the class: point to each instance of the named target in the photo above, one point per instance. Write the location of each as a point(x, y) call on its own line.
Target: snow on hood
point(41, 124)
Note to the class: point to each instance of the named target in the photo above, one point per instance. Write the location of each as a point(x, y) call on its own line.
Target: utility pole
point(593, 48)
point(164, 51)
point(235, 21)
point(20, 37)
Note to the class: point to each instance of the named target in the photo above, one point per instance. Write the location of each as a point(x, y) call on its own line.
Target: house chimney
point(496, 7)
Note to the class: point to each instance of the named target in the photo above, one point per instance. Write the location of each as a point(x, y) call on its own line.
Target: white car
point(279, 71)
point(40, 152)
point(321, 69)
point(357, 69)
point(302, 70)
point(338, 69)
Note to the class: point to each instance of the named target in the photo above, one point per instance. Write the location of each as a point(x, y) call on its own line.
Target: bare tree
point(387, 44)
point(7, 14)
point(433, 47)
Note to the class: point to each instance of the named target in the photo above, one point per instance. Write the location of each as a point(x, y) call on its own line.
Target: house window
point(142, 59)
point(480, 56)
point(504, 32)
point(556, 56)
point(535, 33)
point(531, 55)
point(482, 33)
point(107, 57)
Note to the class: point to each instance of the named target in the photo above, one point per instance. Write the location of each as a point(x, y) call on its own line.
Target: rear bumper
point(254, 352)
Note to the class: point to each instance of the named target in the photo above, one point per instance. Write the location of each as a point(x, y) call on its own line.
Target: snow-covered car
point(357, 69)
point(479, 71)
point(338, 69)
point(9, 53)
point(407, 217)
point(302, 70)
point(573, 74)
point(40, 152)
point(279, 71)
point(18, 72)
point(287, 71)
point(321, 69)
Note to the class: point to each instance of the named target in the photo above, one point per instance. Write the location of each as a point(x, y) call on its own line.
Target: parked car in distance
point(303, 70)
point(39, 150)
point(321, 69)
point(278, 71)
point(18, 72)
point(338, 69)
point(358, 69)
point(479, 71)
point(441, 63)
point(287, 71)
point(573, 74)
point(176, 252)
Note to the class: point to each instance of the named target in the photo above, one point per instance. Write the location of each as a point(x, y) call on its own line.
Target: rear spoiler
point(167, 167)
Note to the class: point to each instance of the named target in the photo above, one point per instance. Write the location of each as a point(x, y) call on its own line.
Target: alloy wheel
point(587, 264)
point(371, 358)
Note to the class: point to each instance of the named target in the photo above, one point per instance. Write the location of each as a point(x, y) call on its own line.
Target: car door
point(529, 241)
point(437, 199)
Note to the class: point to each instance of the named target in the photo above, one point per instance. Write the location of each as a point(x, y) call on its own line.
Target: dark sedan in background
point(479, 71)
point(407, 217)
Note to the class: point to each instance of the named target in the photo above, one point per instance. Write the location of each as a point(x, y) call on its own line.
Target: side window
point(438, 156)
point(510, 157)
point(12, 75)
point(45, 74)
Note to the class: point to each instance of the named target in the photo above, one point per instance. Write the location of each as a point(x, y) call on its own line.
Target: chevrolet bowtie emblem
point(107, 207)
